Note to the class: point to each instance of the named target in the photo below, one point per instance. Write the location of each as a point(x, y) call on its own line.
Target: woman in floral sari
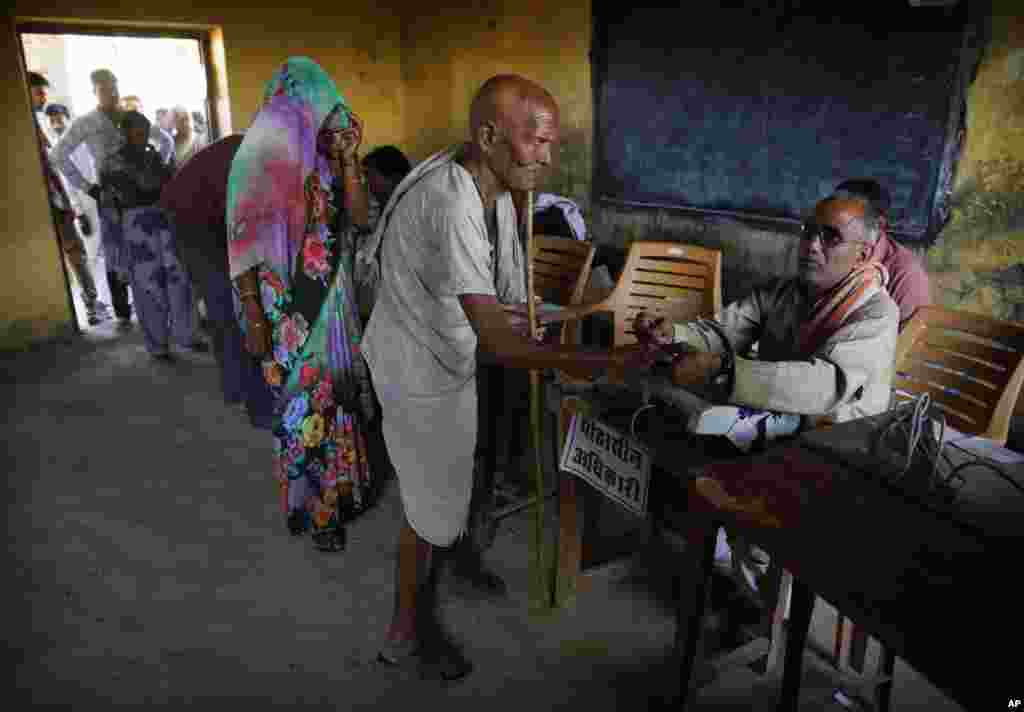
point(295, 206)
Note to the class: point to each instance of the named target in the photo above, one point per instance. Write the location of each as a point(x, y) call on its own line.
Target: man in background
point(384, 167)
point(908, 280)
point(64, 210)
point(99, 131)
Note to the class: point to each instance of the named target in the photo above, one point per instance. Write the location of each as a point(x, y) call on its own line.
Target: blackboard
point(761, 108)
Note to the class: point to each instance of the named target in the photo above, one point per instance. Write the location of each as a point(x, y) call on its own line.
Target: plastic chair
point(970, 364)
point(670, 279)
point(561, 271)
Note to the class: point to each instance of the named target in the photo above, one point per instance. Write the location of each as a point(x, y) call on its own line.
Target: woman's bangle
point(246, 295)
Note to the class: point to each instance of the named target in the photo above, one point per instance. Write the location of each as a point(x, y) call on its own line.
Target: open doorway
point(164, 75)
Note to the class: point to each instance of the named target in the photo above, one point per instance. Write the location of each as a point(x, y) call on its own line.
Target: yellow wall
point(357, 43)
point(410, 71)
point(32, 284)
point(450, 53)
point(995, 117)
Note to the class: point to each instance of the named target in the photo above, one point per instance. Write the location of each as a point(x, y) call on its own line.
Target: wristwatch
point(722, 381)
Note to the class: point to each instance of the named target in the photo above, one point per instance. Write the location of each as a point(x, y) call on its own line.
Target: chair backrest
point(672, 279)
point(971, 365)
point(561, 268)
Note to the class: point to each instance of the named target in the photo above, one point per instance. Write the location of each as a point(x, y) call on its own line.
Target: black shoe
point(200, 347)
point(478, 582)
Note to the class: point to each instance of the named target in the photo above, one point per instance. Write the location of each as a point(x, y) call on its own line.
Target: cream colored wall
point(357, 42)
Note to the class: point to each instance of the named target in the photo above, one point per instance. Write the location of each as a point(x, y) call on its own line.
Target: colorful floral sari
point(285, 219)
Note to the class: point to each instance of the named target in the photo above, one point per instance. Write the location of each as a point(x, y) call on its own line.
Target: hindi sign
point(617, 465)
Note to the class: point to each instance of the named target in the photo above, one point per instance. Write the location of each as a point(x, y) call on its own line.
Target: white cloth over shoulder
point(432, 245)
point(569, 208)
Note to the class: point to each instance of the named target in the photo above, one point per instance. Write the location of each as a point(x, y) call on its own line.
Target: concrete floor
point(148, 564)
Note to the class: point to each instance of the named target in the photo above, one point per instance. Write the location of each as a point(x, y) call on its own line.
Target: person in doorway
point(186, 142)
point(132, 179)
point(65, 210)
point(165, 120)
point(295, 199)
point(59, 117)
point(448, 259)
point(100, 131)
point(186, 145)
point(200, 127)
point(196, 197)
point(908, 280)
point(131, 103)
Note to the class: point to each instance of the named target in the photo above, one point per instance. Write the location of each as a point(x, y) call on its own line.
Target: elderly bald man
point(446, 259)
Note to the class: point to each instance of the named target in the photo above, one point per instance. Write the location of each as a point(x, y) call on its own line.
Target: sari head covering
point(266, 205)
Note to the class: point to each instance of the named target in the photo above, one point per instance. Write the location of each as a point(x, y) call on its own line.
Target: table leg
point(858, 648)
point(801, 608)
point(495, 407)
point(887, 668)
point(692, 598)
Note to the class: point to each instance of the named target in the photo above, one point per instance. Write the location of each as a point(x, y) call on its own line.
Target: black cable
point(979, 461)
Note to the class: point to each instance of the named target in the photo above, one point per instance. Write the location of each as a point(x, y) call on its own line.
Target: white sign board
point(617, 465)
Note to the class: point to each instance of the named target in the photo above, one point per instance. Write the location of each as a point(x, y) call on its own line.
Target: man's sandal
point(441, 662)
point(444, 662)
point(398, 654)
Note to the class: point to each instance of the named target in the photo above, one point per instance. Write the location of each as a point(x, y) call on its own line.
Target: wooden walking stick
point(541, 584)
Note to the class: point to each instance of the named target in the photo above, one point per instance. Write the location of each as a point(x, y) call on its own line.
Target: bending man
point(448, 257)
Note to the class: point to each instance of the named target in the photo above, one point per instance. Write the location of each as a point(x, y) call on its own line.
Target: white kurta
point(421, 347)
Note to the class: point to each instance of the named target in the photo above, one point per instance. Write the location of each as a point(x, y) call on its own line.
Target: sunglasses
point(830, 236)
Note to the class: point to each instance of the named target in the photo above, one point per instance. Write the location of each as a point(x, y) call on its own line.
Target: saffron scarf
point(830, 310)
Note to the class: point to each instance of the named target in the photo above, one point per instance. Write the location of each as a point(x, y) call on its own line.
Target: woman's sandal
point(298, 522)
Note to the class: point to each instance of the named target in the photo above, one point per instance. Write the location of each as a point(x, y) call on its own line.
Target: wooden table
point(937, 587)
point(583, 548)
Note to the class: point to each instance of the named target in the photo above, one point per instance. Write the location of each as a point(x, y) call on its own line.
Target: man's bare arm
point(501, 342)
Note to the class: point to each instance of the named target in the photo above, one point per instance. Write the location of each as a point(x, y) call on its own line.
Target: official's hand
point(257, 334)
point(653, 330)
point(695, 369)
